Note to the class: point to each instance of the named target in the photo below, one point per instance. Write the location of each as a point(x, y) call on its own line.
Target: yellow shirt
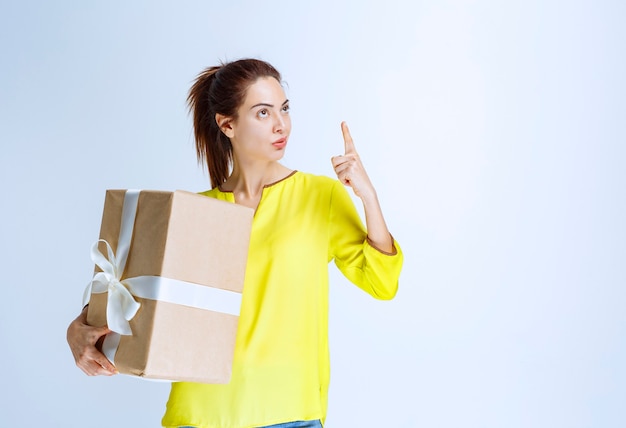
point(281, 367)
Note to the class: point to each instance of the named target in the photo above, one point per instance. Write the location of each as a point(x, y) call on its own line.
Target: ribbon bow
point(121, 305)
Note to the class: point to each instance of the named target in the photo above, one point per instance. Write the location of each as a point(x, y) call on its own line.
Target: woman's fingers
point(347, 139)
point(93, 362)
point(100, 366)
point(349, 168)
point(82, 339)
point(344, 170)
point(342, 160)
point(98, 332)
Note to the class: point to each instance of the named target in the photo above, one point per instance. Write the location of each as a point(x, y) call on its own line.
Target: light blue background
point(493, 130)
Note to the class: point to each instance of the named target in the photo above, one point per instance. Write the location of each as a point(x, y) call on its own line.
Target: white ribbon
point(178, 292)
point(121, 306)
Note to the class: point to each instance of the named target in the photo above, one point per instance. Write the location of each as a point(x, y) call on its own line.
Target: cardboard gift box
point(182, 256)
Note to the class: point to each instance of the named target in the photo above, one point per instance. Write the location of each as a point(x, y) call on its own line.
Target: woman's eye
point(286, 108)
point(263, 113)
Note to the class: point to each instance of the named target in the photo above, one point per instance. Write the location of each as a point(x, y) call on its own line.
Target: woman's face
point(263, 125)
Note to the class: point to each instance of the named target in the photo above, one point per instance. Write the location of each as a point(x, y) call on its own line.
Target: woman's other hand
point(82, 339)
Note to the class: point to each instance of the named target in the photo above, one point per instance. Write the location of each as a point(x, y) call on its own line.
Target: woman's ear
point(225, 124)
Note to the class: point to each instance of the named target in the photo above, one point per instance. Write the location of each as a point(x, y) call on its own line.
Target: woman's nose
point(279, 124)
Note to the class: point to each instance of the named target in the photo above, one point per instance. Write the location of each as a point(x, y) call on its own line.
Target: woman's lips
point(280, 144)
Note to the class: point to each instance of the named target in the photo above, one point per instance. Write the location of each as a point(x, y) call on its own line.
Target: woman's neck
point(247, 182)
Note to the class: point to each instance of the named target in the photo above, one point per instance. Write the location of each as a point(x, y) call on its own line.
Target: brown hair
point(221, 89)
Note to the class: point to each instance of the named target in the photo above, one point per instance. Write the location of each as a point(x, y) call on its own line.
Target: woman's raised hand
point(349, 169)
point(351, 172)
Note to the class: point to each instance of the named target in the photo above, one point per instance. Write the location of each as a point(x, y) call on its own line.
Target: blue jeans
point(296, 424)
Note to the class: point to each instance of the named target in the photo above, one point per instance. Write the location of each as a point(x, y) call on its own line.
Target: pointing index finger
point(347, 139)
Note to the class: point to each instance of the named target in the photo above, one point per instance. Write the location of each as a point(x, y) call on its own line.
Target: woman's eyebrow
point(268, 105)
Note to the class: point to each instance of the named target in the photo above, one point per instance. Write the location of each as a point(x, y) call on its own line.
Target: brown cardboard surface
point(186, 249)
point(189, 237)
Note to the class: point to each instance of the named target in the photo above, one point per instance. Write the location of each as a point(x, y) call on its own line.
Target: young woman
point(281, 366)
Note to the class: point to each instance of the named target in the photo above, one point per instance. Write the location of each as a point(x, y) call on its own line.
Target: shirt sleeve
point(369, 268)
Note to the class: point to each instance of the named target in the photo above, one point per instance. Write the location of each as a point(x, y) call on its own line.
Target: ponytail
point(212, 146)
